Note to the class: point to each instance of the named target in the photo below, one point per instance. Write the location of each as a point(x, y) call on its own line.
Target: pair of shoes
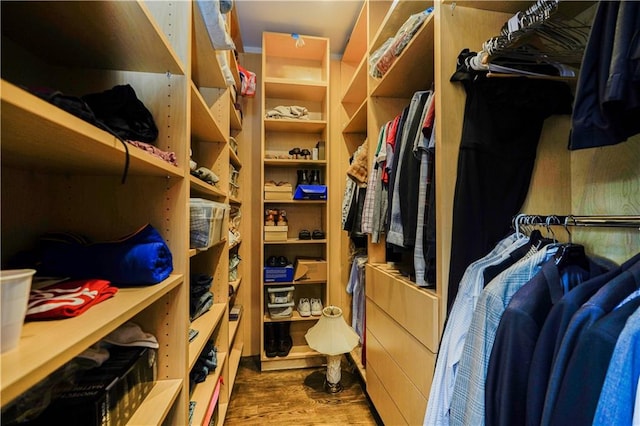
point(297, 153)
point(277, 340)
point(304, 235)
point(308, 177)
point(304, 307)
point(318, 235)
point(316, 307)
point(274, 217)
point(279, 261)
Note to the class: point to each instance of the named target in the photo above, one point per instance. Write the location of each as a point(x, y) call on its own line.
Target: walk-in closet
point(379, 212)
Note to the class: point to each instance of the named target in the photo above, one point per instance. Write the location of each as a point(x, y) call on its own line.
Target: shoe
point(282, 218)
point(303, 178)
point(270, 217)
point(282, 262)
point(284, 342)
point(318, 235)
point(305, 154)
point(316, 307)
point(283, 312)
point(315, 177)
point(269, 340)
point(272, 261)
point(304, 235)
point(294, 153)
point(304, 307)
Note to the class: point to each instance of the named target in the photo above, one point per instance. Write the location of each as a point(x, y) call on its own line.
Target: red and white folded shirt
point(67, 299)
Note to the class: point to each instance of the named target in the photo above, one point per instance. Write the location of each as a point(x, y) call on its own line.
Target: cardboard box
point(278, 192)
point(275, 233)
point(278, 274)
point(310, 270)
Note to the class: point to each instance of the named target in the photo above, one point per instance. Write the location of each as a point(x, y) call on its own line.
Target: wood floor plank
point(297, 397)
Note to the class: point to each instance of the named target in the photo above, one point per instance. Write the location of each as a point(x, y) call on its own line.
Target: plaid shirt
point(456, 329)
point(467, 403)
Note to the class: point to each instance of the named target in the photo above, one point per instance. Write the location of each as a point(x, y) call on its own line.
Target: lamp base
point(332, 387)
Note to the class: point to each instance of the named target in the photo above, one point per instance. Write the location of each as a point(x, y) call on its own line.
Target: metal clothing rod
point(614, 221)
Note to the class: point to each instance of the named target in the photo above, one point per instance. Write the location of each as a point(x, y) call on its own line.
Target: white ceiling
point(322, 18)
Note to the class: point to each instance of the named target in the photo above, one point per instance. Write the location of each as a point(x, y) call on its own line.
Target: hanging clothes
point(619, 391)
point(607, 102)
point(457, 327)
point(551, 336)
point(604, 301)
point(516, 337)
point(503, 119)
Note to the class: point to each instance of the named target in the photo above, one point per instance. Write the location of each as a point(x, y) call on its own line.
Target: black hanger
point(571, 254)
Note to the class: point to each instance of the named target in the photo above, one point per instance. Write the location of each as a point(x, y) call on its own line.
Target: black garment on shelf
point(502, 125)
point(121, 110)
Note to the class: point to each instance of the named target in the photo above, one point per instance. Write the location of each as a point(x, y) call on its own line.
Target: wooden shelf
point(39, 135)
point(294, 126)
point(104, 35)
point(305, 90)
point(205, 324)
point(295, 317)
point(404, 78)
point(235, 284)
point(356, 92)
point(233, 328)
point(283, 162)
point(236, 120)
point(290, 201)
point(203, 391)
point(357, 45)
point(234, 200)
point(295, 282)
point(206, 70)
point(202, 187)
point(358, 122)
point(299, 357)
point(26, 365)
point(297, 241)
point(234, 159)
point(157, 404)
point(234, 363)
point(204, 126)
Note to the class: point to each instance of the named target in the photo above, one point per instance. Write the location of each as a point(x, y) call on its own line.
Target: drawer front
point(395, 397)
point(413, 308)
point(413, 358)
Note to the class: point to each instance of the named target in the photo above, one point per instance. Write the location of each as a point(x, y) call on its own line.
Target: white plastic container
point(15, 285)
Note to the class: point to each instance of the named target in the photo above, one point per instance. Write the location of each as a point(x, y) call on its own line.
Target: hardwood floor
point(296, 397)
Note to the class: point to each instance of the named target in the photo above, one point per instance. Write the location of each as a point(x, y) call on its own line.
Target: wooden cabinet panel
point(415, 309)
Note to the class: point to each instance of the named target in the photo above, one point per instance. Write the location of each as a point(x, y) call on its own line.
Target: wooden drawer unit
point(413, 308)
point(402, 335)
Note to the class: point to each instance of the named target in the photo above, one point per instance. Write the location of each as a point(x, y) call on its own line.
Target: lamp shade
point(331, 335)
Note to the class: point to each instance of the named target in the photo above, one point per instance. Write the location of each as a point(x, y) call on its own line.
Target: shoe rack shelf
point(293, 76)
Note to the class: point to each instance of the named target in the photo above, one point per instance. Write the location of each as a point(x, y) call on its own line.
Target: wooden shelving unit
point(403, 321)
point(60, 173)
point(294, 76)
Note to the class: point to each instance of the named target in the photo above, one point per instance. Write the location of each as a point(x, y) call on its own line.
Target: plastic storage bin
point(206, 222)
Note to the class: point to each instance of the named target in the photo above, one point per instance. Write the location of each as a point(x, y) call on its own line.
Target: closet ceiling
point(323, 18)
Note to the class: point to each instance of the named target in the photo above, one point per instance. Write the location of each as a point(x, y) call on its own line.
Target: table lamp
point(332, 337)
